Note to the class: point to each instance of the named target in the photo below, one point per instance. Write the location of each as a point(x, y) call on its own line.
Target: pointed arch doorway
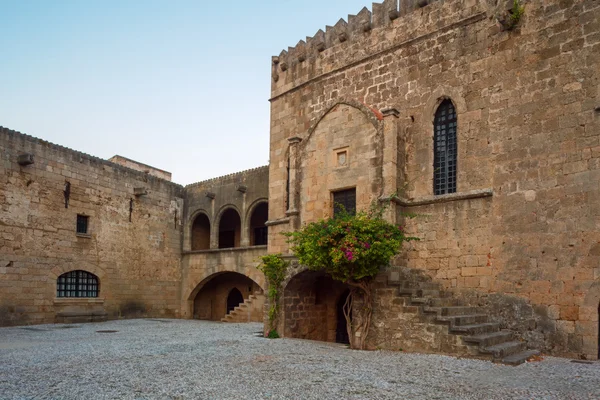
point(234, 299)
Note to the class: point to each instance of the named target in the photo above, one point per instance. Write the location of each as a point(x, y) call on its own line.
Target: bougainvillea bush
point(352, 249)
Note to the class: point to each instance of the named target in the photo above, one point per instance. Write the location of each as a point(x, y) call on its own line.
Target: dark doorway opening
point(234, 299)
point(229, 229)
point(201, 233)
point(258, 229)
point(341, 332)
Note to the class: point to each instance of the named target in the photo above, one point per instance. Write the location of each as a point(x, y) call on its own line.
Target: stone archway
point(310, 306)
point(215, 295)
point(230, 228)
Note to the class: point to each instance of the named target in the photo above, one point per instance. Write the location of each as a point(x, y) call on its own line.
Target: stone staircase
point(251, 310)
point(483, 337)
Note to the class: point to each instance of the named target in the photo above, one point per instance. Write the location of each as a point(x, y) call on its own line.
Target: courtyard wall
point(521, 234)
point(133, 243)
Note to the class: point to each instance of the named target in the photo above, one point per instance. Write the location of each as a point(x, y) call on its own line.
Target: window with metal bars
point(77, 284)
point(444, 149)
point(344, 199)
point(82, 224)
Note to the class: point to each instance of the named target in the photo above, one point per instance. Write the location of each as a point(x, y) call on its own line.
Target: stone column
point(293, 211)
point(390, 159)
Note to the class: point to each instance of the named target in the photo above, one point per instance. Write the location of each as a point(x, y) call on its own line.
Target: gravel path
point(183, 359)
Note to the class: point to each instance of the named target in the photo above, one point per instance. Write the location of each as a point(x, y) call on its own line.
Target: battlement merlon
point(390, 22)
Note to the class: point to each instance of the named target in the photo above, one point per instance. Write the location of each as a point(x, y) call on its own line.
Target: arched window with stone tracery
point(445, 149)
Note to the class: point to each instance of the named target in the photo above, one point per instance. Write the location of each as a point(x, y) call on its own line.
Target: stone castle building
point(486, 127)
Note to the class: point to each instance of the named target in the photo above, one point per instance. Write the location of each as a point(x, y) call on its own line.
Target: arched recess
point(375, 117)
point(256, 219)
point(229, 229)
point(200, 232)
point(343, 150)
point(210, 297)
point(310, 306)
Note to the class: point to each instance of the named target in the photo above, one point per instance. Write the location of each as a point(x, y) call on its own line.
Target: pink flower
point(367, 245)
point(349, 255)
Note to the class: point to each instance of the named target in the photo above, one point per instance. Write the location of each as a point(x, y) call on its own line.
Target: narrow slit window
point(445, 149)
point(82, 224)
point(77, 284)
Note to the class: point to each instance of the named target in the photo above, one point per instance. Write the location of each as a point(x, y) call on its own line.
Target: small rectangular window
point(344, 199)
point(82, 224)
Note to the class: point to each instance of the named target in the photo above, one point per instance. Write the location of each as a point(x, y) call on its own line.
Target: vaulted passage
point(229, 229)
point(201, 233)
point(310, 303)
point(258, 229)
point(221, 294)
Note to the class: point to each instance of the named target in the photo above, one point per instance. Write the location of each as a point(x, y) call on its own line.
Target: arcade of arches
point(221, 294)
point(311, 302)
point(230, 229)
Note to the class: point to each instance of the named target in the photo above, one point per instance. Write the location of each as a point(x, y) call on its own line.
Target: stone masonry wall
point(528, 136)
point(137, 261)
point(242, 192)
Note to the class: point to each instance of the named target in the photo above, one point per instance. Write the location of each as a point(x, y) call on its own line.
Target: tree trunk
point(359, 323)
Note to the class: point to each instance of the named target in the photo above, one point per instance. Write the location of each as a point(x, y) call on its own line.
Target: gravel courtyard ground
point(183, 359)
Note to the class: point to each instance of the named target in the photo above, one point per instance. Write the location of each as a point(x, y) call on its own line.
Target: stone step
point(419, 292)
point(475, 329)
point(489, 339)
point(460, 310)
point(519, 358)
point(445, 302)
point(415, 285)
point(420, 300)
point(503, 350)
point(456, 320)
point(432, 310)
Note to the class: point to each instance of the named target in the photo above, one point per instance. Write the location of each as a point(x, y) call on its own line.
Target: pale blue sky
point(180, 85)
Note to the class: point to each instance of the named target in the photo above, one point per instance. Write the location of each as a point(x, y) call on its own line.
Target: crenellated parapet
point(345, 30)
point(370, 32)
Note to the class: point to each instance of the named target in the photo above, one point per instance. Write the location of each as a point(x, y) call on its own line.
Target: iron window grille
point(445, 149)
point(77, 284)
point(344, 200)
point(82, 224)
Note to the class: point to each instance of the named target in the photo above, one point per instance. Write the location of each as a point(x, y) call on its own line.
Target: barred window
point(445, 149)
point(77, 284)
point(344, 199)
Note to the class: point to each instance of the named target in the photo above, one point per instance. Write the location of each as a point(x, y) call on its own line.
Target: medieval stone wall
point(133, 243)
point(521, 233)
point(239, 194)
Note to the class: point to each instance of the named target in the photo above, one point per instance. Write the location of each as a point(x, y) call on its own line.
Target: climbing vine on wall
point(274, 267)
point(351, 249)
